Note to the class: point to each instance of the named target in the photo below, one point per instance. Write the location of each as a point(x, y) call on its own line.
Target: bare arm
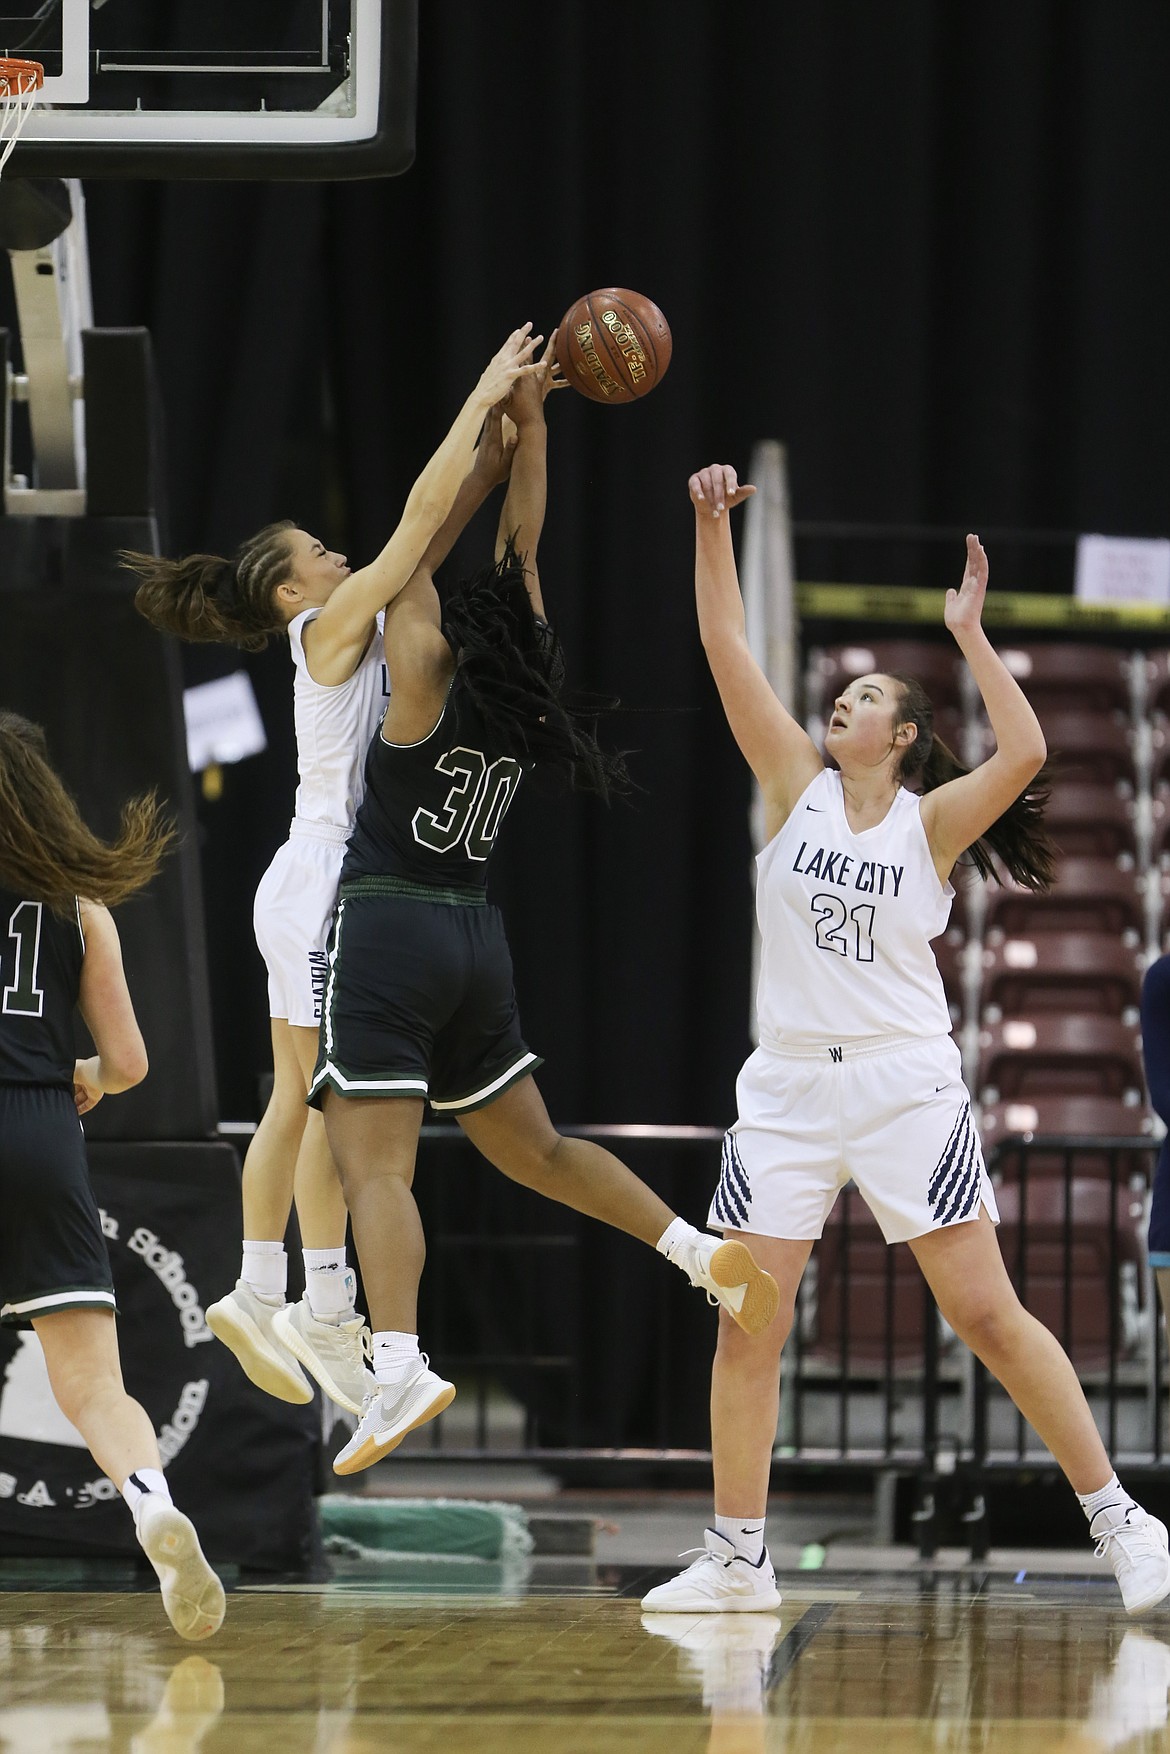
point(778, 750)
point(105, 1004)
point(522, 515)
point(956, 814)
point(339, 635)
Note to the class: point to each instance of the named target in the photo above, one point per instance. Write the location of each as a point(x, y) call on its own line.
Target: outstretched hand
point(512, 362)
point(715, 488)
point(963, 610)
point(526, 402)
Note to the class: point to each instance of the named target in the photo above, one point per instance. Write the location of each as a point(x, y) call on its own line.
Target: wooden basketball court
point(565, 1662)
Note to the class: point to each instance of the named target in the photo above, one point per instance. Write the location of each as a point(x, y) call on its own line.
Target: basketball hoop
point(19, 83)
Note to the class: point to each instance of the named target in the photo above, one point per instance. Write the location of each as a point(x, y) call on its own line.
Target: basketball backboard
point(258, 89)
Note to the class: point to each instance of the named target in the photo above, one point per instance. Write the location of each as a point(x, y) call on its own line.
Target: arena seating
point(1044, 993)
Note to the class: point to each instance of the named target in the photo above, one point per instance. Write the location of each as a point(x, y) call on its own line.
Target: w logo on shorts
point(958, 1174)
point(733, 1196)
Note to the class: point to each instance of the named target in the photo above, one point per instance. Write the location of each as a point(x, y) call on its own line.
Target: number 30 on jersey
point(475, 805)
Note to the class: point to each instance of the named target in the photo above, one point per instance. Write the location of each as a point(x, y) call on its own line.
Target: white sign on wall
point(1123, 569)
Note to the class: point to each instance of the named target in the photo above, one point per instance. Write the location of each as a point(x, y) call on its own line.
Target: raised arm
point(956, 814)
point(105, 1004)
point(522, 514)
point(779, 751)
point(339, 635)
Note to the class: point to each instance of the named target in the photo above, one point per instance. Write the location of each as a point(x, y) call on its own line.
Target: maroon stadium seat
point(1090, 746)
point(857, 1271)
point(1086, 1115)
point(1065, 1262)
point(1091, 821)
point(1055, 1054)
point(1060, 971)
point(1089, 895)
point(1074, 678)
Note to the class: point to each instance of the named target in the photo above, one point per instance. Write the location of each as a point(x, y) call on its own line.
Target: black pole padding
point(123, 425)
point(33, 211)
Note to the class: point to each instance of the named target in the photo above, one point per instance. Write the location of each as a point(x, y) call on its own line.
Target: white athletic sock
point(265, 1270)
point(746, 1534)
point(1107, 1507)
point(141, 1482)
point(677, 1231)
point(330, 1285)
point(395, 1357)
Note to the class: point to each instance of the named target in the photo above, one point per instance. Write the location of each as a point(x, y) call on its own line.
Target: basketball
point(613, 345)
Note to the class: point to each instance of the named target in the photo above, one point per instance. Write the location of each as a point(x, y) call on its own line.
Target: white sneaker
point(728, 1273)
point(334, 1353)
point(1139, 1553)
point(383, 1426)
point(718, 1582)
point(192, 1594)
point(244, 1322)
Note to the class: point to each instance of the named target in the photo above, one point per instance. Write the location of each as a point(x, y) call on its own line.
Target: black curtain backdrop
point(924, 245)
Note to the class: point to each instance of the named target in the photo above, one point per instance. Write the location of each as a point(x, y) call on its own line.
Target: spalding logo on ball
point(613, 345)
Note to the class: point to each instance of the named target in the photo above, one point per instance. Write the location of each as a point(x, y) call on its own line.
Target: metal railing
point(573, 1349)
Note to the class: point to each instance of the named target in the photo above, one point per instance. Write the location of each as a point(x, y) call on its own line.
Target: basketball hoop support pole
point(54, 306)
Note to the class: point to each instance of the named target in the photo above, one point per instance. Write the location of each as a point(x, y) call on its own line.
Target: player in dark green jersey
point(59, 949)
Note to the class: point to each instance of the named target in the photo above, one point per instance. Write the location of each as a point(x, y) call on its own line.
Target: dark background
point(924, 245)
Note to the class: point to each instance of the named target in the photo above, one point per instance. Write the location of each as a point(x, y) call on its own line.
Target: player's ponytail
point(204, 597)
point(1017, 838)
point(513, 668)
point(46, 851)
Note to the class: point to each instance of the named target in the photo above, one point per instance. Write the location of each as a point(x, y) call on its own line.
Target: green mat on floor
point(440, 1528)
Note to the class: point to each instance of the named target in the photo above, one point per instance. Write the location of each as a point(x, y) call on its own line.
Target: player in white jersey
point(856, 1075)
point(286, 581)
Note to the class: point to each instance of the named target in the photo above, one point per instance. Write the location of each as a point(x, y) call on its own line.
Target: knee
point(753, 1356)
point(987, 1325)
point(75, 1390)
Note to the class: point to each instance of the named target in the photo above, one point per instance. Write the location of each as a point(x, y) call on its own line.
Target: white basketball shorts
point(292, 916)
point(890, 1113)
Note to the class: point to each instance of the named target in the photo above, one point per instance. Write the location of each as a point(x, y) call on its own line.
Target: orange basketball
point(613, 345)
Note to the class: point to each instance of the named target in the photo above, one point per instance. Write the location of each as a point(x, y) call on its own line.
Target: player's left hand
point(963, 609)
point(87, 1092)
point(528, 395)
point(716, 489)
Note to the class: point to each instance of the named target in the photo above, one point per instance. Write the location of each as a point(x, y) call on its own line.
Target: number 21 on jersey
point(846, 931)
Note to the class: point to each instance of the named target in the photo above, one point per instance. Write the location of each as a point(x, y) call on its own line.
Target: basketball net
point(19, 83)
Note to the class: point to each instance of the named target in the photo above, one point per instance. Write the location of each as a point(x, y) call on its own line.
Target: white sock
point(746, 1534)
point(395, 1356)
point(1107, 1507)
point(330, 1285)
point(265, 1270)
point(140, 1483)
point(678, 1231)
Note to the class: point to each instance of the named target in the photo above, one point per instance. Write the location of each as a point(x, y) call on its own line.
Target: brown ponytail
point(46, 851)
point(204, 597)
point(1017, 838)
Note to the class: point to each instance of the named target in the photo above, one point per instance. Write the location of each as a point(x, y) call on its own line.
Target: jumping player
point(61, 950)
point(285, 581)
point(856, 1074)
point(420, 1004)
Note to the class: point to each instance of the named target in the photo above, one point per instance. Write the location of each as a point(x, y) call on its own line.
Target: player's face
point(317, 569)
point(861, 729)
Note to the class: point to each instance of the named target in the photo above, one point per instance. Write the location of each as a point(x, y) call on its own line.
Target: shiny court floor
point(557, 1656)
